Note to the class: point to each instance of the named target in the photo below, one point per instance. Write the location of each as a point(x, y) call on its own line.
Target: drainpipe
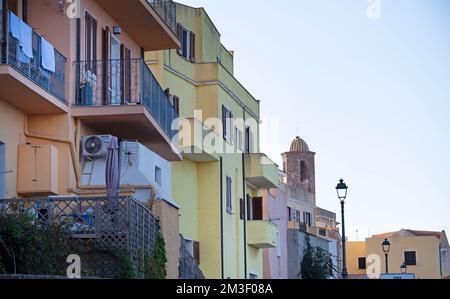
point(221, 220)
point(244, 193)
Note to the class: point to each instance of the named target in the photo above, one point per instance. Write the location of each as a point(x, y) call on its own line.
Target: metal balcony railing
point(53, 82)
point(124, 83)
point(122, 224)
point(167, 10)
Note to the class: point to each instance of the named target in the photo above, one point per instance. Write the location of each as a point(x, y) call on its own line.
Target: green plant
point(28, 248)
point(317, 263)
point(156, 264)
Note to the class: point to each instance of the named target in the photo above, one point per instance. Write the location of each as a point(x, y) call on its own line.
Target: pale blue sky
point(370, 96)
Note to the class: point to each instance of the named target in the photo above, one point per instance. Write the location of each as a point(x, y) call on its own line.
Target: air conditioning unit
point(95, 146)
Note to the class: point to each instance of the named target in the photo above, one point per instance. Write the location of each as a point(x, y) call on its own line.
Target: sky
point(370, 94)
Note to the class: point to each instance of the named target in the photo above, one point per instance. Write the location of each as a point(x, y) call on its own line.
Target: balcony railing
point(167, 10)
point(11, 54)
point(125, 225)
point(124, 83)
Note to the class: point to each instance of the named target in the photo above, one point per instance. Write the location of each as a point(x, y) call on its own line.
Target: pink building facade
point(276, 259)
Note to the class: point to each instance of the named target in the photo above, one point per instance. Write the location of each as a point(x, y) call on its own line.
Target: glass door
point(116, 70)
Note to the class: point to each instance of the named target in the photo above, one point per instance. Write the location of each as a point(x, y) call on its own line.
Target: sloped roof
point(411, 233)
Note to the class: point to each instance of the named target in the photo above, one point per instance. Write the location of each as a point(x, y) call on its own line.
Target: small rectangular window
point(289, 211)
point(410, 258)
point(323, 232)
point(158, 175)
point(362, 263)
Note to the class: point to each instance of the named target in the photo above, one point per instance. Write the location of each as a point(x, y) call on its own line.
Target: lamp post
point(386, 248)
point(404, 268)
point(342, 189)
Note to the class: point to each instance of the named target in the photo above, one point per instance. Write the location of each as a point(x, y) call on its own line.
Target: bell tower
point(299, 165)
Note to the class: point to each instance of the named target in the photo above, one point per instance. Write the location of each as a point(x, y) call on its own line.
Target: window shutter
point(224, 122)
point(197, 252)
point(176, 104)
point(242, 208)
point(180, 37)
point(249, 208)
point(230, 127)
point(192, 45)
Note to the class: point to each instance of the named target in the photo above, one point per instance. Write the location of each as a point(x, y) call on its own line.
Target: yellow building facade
point(223, 171)
point(424, 253)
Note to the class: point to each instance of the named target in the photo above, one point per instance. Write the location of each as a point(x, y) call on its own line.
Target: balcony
point(151, 23)
point(260, 171)
point(192, 136)
point(24, 82)
point(124, 99)
point(262, 234)
point(123, 224)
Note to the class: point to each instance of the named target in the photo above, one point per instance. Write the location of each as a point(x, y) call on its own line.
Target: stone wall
point(296, 243)
point(188, 266)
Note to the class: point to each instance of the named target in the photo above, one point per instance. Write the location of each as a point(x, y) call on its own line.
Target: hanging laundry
point(24, 35)
point(26, 39)
point(47, 56)
point(14, 25)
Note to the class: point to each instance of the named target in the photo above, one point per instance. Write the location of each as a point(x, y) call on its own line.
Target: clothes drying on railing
point(24, 34)
point(48, 61)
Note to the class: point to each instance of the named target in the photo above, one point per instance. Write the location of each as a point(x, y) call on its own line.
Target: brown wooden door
point(106, 68)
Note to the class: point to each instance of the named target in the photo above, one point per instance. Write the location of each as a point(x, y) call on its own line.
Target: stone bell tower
point(299, 165)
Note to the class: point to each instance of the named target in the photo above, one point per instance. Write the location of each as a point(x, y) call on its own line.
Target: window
point(187, 39)
point(158, 175)
point(410, 258)
point(229, 195)
point(257, 208)
point(91, 42)
point(248, 141)
point(298, 216)
point(307, 218)
point(322, 232)
point(227, 124)
point(289, 211)
point(303, 172)
point(239, 139)
point(362, 263)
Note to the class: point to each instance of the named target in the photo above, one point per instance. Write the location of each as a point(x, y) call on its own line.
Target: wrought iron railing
point(167, 10)
point(123, 83)
point(124, 224)
point(53, 82)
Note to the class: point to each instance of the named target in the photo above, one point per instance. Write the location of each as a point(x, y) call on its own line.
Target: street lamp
point(341, 190)
point(404, 268)
point(386, 248)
